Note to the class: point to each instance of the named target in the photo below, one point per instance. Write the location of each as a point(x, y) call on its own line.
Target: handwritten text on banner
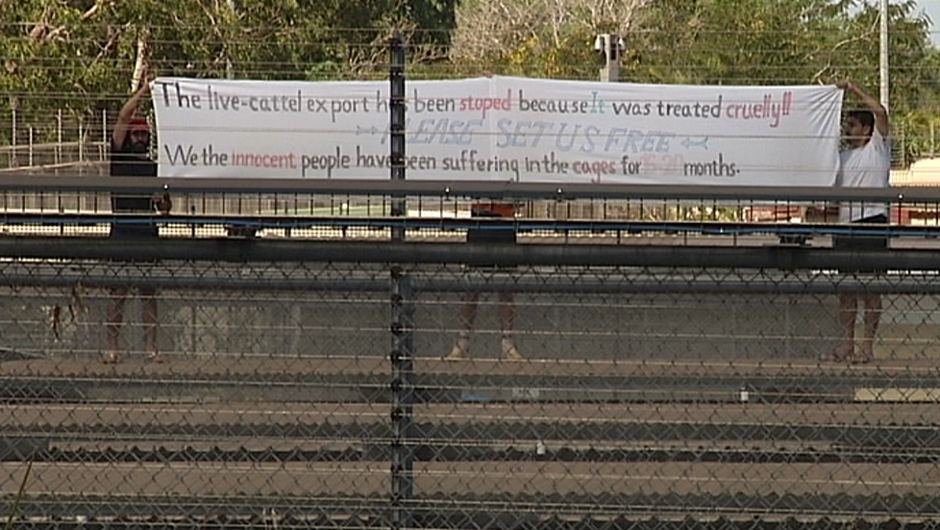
point(502, 128)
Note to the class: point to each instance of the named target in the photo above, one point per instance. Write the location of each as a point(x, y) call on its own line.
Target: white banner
point(502, 128)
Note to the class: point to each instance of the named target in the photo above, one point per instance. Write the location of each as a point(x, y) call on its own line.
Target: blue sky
point(932, 8)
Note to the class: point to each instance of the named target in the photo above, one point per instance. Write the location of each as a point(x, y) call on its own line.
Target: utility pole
point(883, 70)
point(609, 48)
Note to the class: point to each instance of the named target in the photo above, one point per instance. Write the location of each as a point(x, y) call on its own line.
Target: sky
point(932, 8)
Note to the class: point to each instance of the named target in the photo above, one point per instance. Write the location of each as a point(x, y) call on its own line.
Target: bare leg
point(506, 317)
point(848, 307)
point(468, 315)
point(871, 320)
point(113, 325)
point(149, 302)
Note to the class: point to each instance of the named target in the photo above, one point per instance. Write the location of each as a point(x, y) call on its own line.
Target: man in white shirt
point(866, 164)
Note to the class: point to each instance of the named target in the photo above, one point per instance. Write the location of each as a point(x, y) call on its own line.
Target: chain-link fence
point(323, 383)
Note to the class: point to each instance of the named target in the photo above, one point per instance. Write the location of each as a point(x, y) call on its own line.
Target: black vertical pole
point(402, 312)
point(397, 108)
point(402, 387)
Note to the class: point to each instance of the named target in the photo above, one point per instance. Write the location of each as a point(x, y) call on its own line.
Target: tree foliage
point(82, 56)
point(750, 42)
point(538, 38)
point(792, 42)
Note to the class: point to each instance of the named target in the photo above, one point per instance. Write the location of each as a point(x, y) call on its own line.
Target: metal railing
point(58, 143)
point(610, 372)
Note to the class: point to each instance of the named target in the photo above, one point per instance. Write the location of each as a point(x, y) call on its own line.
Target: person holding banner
point(508, 349)
point(867, 164)
point(130, 147)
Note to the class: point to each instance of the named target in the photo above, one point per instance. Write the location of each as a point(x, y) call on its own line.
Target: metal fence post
point(933, 140)
point(397, 108)
point(402, 311)
point(58, 136)
point(13, 142)
point(402, 387)
point(81, 141)
point(102, 149)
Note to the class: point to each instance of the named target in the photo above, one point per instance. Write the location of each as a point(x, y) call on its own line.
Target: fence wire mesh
point(633, 397)
point(350, 389)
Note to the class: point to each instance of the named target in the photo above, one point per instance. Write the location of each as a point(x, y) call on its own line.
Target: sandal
point(112, 357)
point(862, 359)
point(156, 358)
point(834, 356)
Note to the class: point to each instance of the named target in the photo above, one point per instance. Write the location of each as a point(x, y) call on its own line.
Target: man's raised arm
point(880, 112)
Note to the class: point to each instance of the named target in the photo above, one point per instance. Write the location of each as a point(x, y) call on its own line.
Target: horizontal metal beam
point(714, 228)
point(498, 255)
point(450, 188)
point(516, 282)
point(363, 277)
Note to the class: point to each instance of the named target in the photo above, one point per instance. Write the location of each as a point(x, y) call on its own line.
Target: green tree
point(750, 42)
point(537, 38)
point(82, 56)
point(793, 42)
